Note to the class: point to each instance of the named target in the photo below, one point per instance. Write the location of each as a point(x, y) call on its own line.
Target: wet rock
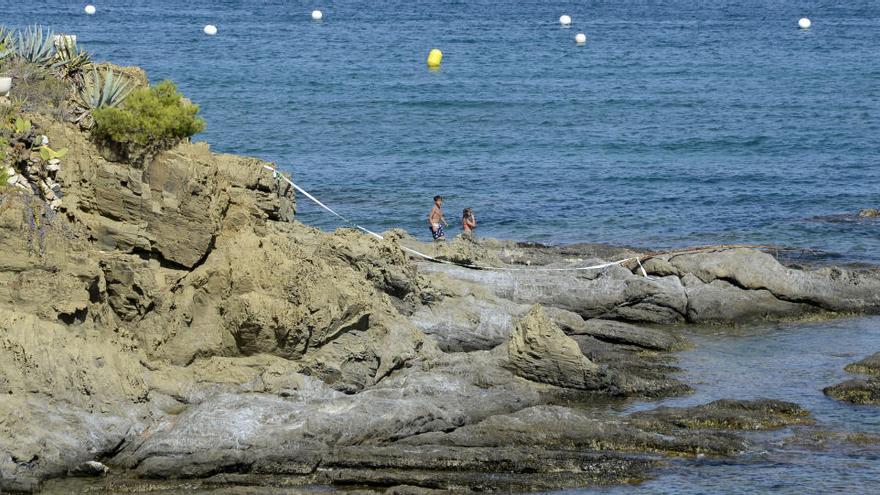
point(859, 390)
point(869, 366)
point(869, 213)
point(758, 414)
point(856, 391)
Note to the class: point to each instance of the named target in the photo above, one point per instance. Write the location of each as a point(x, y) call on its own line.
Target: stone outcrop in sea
point(173, 320)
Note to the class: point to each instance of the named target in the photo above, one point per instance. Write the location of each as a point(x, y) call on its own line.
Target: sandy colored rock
point(538, 350)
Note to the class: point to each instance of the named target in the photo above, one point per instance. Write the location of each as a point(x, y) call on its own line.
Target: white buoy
point(804, 23)
point(565, 20)
point(580, 38)
point(317, 15)
point(210, 30)
point(90, 9)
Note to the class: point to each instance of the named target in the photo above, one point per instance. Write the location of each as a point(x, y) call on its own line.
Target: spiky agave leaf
point(36, 46)
point(101, 89)
point(7, 42)
point(70, 60)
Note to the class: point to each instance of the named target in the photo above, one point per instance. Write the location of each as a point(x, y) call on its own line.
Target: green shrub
point(148, 121)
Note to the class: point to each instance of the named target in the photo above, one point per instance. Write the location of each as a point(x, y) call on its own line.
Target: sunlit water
point(678, 123)
point(790, 362)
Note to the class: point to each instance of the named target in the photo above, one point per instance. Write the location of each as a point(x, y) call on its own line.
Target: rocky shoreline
point(171, 320)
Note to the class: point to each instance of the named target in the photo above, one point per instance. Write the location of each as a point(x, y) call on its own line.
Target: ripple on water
point(790, 362)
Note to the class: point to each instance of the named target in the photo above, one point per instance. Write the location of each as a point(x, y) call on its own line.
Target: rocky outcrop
point(859, 390)
point(856, 391)
point(539, 351)
point(729, 286)
point(868, 366)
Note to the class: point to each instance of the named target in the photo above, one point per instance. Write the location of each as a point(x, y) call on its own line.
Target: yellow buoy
point(434, 57)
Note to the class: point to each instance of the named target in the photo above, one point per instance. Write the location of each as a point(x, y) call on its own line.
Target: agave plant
point(36, 46)
point(99, 90)
point(6, 42)
point(70, 60)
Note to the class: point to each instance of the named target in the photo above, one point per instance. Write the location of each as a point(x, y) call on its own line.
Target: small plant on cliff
point(36, 46)
point(100, 89)
point(7, 42)
point(71, 61)
point(149, 121)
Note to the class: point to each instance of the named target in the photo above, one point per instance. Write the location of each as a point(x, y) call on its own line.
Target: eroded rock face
point(539, 351)
point(171, 208)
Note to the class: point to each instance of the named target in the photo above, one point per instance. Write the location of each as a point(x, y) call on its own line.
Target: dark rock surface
point(859, 390)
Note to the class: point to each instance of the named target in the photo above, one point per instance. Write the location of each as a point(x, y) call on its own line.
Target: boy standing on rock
point(435, 218)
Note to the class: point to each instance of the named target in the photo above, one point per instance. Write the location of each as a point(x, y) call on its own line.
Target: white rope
point(276, 174)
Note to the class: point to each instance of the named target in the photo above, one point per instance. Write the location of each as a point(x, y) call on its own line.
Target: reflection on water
point(790, 362)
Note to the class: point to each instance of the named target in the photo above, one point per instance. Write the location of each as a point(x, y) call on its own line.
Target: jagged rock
point(175, 206)
point(538, 350)
point(614, 331)
point(382, 262)
point(473, 319)
point(173, 321)
point(869, 213)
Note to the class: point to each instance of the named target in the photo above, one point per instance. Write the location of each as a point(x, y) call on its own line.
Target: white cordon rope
point(277, 175)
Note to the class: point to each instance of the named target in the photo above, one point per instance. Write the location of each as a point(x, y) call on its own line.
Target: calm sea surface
point(678, 123)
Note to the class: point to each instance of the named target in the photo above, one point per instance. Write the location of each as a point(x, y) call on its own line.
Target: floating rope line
point(621, 262)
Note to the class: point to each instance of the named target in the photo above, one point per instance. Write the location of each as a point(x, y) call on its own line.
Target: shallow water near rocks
point(790, 362)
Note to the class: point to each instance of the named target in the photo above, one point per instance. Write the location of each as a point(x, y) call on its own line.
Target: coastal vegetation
point(52, 76)
point(150, 120)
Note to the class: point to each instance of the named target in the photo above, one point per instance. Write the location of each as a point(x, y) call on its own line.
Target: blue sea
point(678, 123)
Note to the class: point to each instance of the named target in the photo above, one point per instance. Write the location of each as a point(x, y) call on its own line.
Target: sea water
point(678, 123)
